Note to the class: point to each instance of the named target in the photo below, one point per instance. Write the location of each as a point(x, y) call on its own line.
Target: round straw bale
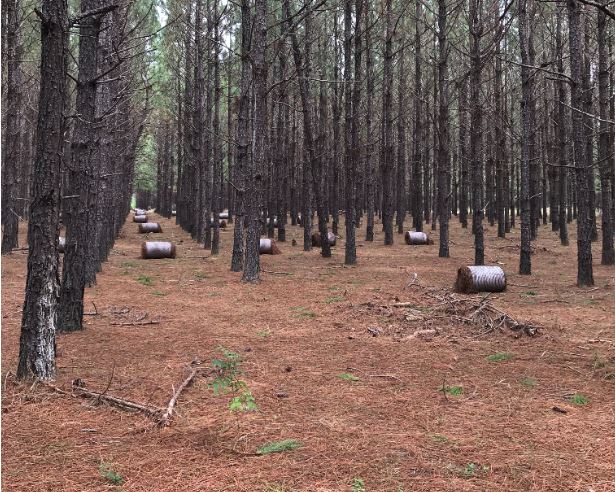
point(153, 250)
point(223, 215)
point(221, 222)
point(61, 244)
point(140, 211)
point(316, 242)
point(149, 227)
point(473, 279)
point(417, 238)
point(141, 219)
point(268, 247)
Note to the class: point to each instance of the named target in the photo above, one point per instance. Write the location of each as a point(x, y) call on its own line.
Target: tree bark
point(527, 219)
point(585, 275)
point(444, 139)
point(37, 342)
point(604, 143)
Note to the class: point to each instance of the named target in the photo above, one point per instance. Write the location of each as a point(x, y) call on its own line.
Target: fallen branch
point(135, 323)
point(390, 376)
point(95, 313)
point(165, 419)
point(275, 273)
point(79, 389)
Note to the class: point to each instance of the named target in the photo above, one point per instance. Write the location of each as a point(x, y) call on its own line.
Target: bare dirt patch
point(333, 364)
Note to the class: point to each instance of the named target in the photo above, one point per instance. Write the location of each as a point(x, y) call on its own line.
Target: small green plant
point(128, 264)
point(357, 485)
point(145, 280)
point(346, 376)
point(579, 399)
point(334, 299)
point(301, 312)
point(228, 369)
point(440, 438)
point(528, 382)
point(452, 390)
point(158, 293)
point(279, 446)
point(110, 475)
point(200, 275)
point(265, 333)
point(469, 470)
point(500, 357)
point(531, 293)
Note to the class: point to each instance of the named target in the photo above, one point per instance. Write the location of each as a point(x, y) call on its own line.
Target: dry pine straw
point(297, 333)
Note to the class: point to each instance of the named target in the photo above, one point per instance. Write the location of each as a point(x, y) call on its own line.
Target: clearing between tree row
point(373, 375)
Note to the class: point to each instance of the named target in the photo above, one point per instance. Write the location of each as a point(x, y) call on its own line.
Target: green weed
point(266, 333)
point(357, 485)
point(579, 399)
point(500, 357)
point(346, 376)
point(301, 312)
point(145, 280)
point(158, 293)
point(279, 446)
point(440, 438)
point(128, 264)
point(452, 390)
point(228, 369)
point(110, 475)
point(528, 382)
point(334, 299)
point(200, 275)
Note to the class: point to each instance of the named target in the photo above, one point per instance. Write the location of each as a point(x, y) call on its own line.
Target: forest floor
point(333, 364)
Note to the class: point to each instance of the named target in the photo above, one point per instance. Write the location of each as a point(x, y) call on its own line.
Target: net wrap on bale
point(268, 247)
point(473, 279)
point(417, 238)
point(154, 250)
point(149, 227)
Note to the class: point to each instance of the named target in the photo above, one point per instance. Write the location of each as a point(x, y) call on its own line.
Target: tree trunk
point(417, 184)
point(11, 144)
point(38, 326)
point(604, 143)
point(251, 270)
point(476, 129)
point(80, 217)
point(527, 219)
point(444, 139)
point(386, 159)
point(243, 130)
point(561, 135)
point(585, 275)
